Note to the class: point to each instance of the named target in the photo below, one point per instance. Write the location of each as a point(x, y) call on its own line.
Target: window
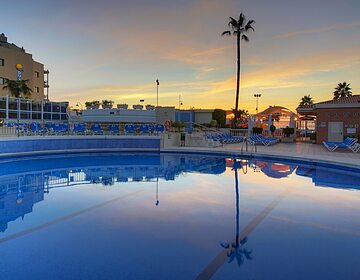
point(2, 62)
point(37, 74)
point(2, 81)
point(37, 89)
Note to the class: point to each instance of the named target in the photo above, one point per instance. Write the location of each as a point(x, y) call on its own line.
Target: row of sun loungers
point(257, 139)
point(224, 138)
point(81, 128)
point(348, 143)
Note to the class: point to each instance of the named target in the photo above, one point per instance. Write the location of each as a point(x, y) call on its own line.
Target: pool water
point(173, 216)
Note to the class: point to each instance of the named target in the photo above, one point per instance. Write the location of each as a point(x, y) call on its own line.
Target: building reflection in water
point(27, 184)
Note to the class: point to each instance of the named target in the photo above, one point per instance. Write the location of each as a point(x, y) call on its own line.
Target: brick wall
point(349, 116)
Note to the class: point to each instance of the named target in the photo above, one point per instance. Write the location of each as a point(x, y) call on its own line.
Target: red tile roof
point(344, 100)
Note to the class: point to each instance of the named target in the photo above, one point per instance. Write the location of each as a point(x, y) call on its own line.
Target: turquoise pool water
point(173, 216)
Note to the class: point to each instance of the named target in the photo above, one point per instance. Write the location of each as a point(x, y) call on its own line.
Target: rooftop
point(4, 43)
point(343, 100)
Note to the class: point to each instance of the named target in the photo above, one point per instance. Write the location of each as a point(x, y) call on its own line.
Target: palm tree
point(16, 87)
point(236, 249)
point(24, 89)
point(239, 28)
point(342, 90)
point(306, 101)
point(13, 87)
point(241, 115)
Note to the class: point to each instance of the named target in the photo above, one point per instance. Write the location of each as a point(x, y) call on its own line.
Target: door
point(335, 131)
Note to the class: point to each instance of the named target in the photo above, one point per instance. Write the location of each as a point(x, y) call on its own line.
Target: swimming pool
point(176, 216)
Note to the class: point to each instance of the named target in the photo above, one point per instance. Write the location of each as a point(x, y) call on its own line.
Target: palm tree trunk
point(237, 206)
point(238, 75)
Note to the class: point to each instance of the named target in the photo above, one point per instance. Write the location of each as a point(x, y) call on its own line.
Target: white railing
point(239, 132)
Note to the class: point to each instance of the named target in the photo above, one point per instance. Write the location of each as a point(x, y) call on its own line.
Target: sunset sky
point(117, 49)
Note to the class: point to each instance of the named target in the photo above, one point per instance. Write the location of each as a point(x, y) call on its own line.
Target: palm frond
point(249, 26)
point(232, 23)
point(245, 38)
point(242, 20)
point(227, 33)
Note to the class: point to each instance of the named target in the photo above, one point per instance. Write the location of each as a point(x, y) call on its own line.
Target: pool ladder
point(252, 149)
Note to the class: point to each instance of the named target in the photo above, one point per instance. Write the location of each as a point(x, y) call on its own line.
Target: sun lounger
point(144, 128)
point(96, 129)
point(113, 129)
point(348, 143)
point(79, 128)
point(129, 128)
point(259, 139)
point(159, 128)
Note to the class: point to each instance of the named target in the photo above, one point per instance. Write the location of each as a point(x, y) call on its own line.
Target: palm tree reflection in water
point(236, 249)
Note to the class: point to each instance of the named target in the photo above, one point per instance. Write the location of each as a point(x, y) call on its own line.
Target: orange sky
point(117, 49)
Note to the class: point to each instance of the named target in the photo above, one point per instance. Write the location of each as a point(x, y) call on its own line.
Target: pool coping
point(271, 155)
point(307, 159)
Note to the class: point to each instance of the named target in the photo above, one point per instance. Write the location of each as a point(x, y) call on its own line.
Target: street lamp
point(157, 93)
point(180, 102)
point(257, 95)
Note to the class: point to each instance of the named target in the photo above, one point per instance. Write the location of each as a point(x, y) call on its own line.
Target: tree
point(220, 116)
point(236, 250)
point(239, 28)
point(306, 101)
point(342, 90)
point(24, 89)
point(18, 88)
point(239, 116)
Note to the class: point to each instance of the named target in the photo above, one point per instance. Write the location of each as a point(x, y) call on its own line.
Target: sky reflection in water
point(176, 217)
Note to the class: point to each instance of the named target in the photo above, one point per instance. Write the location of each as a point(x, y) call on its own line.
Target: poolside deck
point(298, 150)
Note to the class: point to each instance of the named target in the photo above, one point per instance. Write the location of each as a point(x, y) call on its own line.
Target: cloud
point(339, 26)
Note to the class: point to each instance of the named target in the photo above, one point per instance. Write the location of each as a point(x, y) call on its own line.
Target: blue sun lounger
point(96, 129)
point(113, 129)
point(129, 128)
point(259, 139)
point(348, 143)
point(79, 128)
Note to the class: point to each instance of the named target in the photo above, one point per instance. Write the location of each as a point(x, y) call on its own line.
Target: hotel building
point(16, 61)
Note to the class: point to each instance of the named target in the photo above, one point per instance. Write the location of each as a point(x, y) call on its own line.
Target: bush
point(288, 131)
point(220, 116)
point(257, 130)
point(313, 137)
point(272, 128)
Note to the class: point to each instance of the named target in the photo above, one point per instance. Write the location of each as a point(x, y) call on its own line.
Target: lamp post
point(257, 95)
point(180, 102)
point(157, 93)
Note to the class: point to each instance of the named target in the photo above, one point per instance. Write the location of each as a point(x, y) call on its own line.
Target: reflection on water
point(236, 250)
point(23, 185)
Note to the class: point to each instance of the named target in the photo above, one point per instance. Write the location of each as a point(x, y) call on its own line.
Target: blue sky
point(117, 49)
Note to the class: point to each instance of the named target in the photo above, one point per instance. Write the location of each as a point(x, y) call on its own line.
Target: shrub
point(257, 130)
point(288, 131)
point(313, 136)
point(272, 128)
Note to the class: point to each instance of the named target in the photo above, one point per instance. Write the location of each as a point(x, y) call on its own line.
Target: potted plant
point(88, 105)
point(138, 107)
point(313, 137)
point(289, 133)
point(107, 104)
point(178, 126)
point(257, 130)
point(150, 107)
point(92, 104)
point(122, 106)
point(272, 129)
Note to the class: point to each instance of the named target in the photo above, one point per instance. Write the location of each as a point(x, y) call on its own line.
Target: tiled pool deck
point(292, 151)
point(297, 151)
